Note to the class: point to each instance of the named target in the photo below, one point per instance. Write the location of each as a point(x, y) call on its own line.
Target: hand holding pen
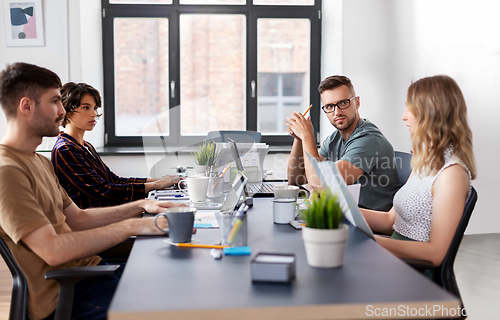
point(299, 126)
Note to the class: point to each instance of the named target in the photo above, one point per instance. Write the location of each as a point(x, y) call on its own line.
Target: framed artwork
point(23, 23)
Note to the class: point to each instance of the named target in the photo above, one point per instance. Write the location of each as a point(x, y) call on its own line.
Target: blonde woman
point(428, 208)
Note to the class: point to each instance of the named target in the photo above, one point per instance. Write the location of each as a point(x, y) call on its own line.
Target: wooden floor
point(476, 267)
point(5, 290)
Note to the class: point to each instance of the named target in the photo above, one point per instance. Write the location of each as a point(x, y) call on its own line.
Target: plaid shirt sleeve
point(87, 179)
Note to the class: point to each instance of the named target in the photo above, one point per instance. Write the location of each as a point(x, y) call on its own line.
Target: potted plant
point(205, 157)
point(324, 235)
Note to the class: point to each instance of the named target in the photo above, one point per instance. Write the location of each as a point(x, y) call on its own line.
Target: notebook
point(207, 218)
point(330, 177)
point(235, 193)
point(253, 189)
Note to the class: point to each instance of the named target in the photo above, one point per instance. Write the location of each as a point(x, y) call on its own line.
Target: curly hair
point(441, 113)
point(71, 95)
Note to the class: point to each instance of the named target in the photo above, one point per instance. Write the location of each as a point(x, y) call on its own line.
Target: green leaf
point(206, 154)
point(324, 211)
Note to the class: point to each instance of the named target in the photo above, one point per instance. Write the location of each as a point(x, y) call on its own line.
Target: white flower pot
point(201, 170)
point(325, 248)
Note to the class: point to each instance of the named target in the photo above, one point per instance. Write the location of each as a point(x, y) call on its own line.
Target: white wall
point(386, 44)
point(382, 45)
point(72, 54)
point(53, 55)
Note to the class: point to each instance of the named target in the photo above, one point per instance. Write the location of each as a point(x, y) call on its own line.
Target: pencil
point(193, 245)
point(223, 172)
point(307, 110)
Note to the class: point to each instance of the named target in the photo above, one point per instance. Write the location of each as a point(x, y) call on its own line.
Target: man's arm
point(349, 172)
point(79, 219)
point(296, 173)
point(56, 249)
point(312, 177)
point(302, 130)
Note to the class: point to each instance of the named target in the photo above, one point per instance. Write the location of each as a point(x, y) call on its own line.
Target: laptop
point(254, 189)
point(330, 177)
point(232, 199)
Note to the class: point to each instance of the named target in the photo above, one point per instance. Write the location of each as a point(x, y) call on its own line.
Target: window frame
point(173, 12)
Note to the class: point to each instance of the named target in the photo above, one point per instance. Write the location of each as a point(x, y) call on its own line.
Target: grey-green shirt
point(368, 149)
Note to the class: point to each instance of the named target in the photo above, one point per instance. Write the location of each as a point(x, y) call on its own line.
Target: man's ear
point(26, 105)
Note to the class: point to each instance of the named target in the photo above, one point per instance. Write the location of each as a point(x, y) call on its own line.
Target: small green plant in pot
point(325, 236)
point(205, 156)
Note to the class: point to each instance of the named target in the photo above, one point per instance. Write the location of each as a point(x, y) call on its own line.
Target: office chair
point(403, 160)
point(67, 279)
point(238, 136)
point(444, 275)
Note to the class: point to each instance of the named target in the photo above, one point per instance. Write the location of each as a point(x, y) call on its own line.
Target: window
point(279, 94)
point(177, 69)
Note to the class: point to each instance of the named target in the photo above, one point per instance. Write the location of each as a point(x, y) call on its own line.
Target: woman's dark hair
point(71, 95)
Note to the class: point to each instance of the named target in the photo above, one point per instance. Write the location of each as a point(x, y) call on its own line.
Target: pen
point(223, 172)
point(193, 245)
point(307, 110)
point(235, 228)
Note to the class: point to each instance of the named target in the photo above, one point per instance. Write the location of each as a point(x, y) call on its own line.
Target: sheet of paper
point(334, 185)
point(354, 190)
point(205, 219)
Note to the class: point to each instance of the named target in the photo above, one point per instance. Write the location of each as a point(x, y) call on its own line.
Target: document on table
point(205, 219)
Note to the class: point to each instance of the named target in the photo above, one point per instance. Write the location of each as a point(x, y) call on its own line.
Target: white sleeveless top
point(413, 202)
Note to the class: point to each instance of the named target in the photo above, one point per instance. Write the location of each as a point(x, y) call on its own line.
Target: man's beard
point(45, 127)
point(347, 123)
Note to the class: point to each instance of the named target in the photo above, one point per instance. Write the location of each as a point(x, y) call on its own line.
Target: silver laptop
point(331, 178)
point(254, 189)
point(236, 193)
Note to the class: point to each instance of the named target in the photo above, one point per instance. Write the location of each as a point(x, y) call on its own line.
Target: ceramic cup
point(284, 210)
point(180, 222)
point(290, 192)
point(196, 187)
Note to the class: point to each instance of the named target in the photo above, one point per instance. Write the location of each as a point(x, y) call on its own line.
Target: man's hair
point(441, 113)
point(72, 94)
point(334, 82)
point(20, 80)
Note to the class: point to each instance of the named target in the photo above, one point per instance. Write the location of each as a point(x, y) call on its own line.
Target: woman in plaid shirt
point(81, 172)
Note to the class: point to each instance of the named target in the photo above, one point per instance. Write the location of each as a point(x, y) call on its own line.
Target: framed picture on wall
point(23, 23)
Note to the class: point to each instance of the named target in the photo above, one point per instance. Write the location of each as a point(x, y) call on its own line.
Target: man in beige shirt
point(41, 225)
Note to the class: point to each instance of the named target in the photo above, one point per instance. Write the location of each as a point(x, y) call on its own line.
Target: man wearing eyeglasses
point(360, 150)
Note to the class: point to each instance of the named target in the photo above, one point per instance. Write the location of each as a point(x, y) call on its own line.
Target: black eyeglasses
point(342, 104)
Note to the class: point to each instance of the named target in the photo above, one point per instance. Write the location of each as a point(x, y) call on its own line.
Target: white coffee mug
point(196, 187)
point(284, 210)
point(288, 191)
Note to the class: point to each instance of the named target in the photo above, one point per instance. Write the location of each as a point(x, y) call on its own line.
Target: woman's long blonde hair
point(439, 108)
